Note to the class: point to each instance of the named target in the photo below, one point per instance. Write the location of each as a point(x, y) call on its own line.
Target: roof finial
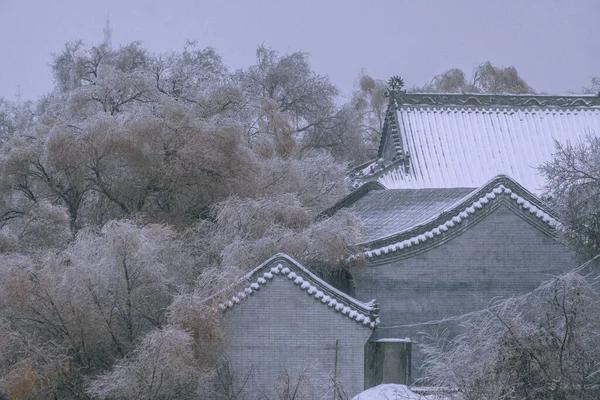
point(395, 84)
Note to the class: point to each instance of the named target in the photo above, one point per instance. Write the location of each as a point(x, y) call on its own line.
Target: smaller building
point(285, 319)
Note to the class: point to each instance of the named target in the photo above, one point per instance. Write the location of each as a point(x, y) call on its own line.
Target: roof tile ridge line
point(524, 192)
point(363, 165)
point(385, 129)
point(365, 318)
point(383, 171)
point(507, 181)
point(366, 306)
point(453, 221)
point(396, 136)
point(389, 123)
point(501, 94)
point(352, 198)
point(503, 99)
point(472, 196)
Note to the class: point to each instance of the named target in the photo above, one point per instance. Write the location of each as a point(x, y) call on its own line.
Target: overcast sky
point(555, 45)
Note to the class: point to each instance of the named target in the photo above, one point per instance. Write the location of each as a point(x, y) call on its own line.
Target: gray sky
point(555, 45)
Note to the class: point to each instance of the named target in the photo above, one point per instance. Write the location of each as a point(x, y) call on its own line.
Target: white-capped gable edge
point(468, 207)
point(282, 266)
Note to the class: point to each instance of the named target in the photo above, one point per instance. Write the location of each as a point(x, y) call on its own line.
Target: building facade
point(453, 220)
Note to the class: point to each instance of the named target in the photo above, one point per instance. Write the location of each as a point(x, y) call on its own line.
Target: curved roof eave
point(451, 218)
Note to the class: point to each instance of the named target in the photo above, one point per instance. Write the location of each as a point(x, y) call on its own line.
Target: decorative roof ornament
point(395, 85)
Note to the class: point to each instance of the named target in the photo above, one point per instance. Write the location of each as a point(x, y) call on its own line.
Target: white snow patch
point(389, 391)
point(394, 340)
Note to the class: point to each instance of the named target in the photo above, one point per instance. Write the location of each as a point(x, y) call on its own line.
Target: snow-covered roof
point(282, 266)
point(387, 212)
point(462, 140)
point(409, 226)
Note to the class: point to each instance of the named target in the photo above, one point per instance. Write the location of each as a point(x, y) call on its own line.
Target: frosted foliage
point(486, 78)
point(190, 74)
point(289, 81)
point(315, 179)
point(144, 185)
point(370, 103)
point(28, 368)
point(167, 166)
point(593, 88)
point(163, 366)
point(573, 188)
point(101, 294)
point(247, 232)
point(40, 226)
point(541, 345)
point(194, 310)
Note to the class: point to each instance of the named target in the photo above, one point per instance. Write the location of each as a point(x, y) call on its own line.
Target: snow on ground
point(392, 391)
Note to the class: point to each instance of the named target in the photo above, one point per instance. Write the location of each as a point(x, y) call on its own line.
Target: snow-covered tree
point(486, 78)
point(574, 190)
point(370, 103)
point(541, 345)
point(162, 367)
point(132, 194)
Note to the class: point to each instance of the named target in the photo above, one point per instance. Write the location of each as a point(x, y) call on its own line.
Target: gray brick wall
point(283, 328)
point(501, 255)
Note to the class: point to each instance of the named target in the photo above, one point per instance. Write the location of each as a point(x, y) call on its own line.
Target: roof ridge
point(352, 197)
point(477, 202)
point(500, 99)
point(363, 313)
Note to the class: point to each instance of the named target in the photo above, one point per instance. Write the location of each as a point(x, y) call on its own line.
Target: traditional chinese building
point(453, 219)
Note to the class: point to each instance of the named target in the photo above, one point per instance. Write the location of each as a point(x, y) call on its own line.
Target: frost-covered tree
point(15, 117)
point(486, 78)
point(369, 101)
point(593, 88)
point(574, 190)
point(100, 295)
point(294, 107)
point(132, 195)
point(162, 366)
point(542, 345)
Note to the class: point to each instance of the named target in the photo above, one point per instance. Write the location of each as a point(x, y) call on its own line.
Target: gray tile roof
point(388, 212)
point(463, 140)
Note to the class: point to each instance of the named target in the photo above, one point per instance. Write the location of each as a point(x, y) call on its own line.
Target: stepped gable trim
point(390, 127)
point(352, 198)
point(499, 100)
point(282, 266)
point(452, 219)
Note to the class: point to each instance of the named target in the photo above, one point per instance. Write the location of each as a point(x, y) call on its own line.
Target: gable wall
point(502, 255)
point(283, 328)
